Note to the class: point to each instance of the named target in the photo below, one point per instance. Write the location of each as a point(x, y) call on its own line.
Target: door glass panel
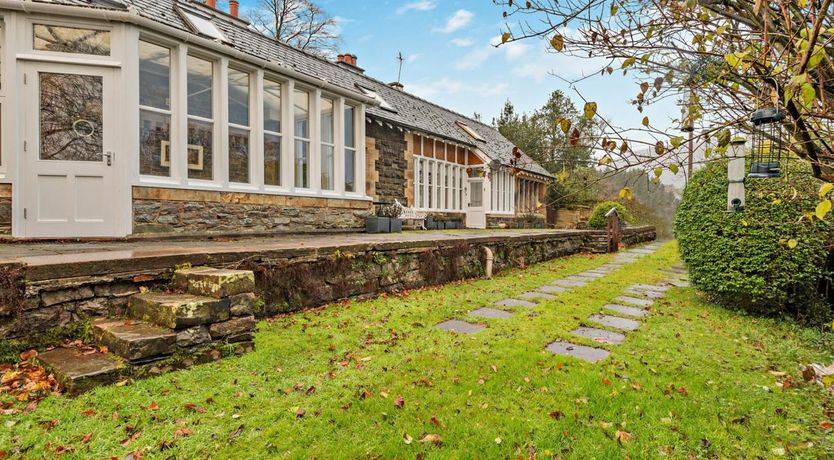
point(71, 40)
point(476, 194)
point(71, 117)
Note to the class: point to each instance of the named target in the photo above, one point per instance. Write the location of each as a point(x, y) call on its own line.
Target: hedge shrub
point(597, 219)
point(745, 259)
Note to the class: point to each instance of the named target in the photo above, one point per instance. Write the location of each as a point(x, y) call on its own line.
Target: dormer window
point(202, 25)
point(471, 132)
point(373, 94)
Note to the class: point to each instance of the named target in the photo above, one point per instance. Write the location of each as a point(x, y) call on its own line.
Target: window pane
point(200, 149)
point(272, 106)
point(302, 163)
point(200, 77)
point(350, 170)
point(327, 167)
point(238, 155)
point(430, 189)
point(71, 40)
point(350, 127)
point(154, 143)
point(272, 159)
point(238, 97)
point(476, 198)
point(301, 114)
point(71, 117)
point(327, 120)
point(154, 76)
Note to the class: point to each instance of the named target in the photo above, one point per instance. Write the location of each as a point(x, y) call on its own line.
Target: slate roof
point(411, 111)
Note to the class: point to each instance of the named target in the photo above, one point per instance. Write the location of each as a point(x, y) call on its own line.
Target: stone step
point(135, 341)
point(214, 282)
point(79, 369)
point(178, 311)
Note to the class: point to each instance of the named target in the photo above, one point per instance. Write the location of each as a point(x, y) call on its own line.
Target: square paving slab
point(568, 283)
point(625, 310)
point(649, 287)
point(532, 295)
point(551, 289)
point(615, 321)
point(461, 327)
point(648, 294)
point(590, 274)
point(487, 312)
point(599, 335)
point(580, 278)
point(635, 301)
point(643, 251)
point(582, 352)
point(679, 283)
point(515, 303)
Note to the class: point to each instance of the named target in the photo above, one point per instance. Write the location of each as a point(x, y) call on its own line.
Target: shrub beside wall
point(746, 259)
point(597, 220)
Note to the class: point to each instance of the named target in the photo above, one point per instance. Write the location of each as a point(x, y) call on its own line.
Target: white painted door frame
point(475, 207)
point(70, 197)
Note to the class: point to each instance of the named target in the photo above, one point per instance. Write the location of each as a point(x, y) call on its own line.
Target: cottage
point(128, 117)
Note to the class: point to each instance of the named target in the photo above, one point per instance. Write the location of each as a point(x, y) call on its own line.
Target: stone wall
point(159, 210)
point(288, 280)
point(390, 162)
point(5, 209)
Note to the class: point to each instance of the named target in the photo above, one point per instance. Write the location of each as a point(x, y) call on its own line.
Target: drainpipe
point(488, 256)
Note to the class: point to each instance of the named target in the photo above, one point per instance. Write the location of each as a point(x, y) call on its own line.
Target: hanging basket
point(768, 143)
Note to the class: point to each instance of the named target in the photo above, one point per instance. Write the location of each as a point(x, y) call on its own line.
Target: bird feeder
point(768, 143)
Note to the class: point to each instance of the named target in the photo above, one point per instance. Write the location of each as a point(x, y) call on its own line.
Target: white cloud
point(459, 20)
point(412, 57)
point(419, 5)
point(463, 42)
point(447, 86)
point(475, 58)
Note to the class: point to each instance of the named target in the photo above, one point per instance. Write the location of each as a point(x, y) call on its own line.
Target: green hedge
point(597, 219)
point(745, 259)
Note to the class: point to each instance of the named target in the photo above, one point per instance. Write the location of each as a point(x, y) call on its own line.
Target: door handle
point(109, 157)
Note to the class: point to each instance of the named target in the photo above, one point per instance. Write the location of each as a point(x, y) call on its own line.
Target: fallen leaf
point(556, 414)
point(606, 381)
point(826, 425)
point(183, 432)
point(87, 438)
point(299, 413)
point(194, 407)
point(27, 355)
point(498, 440)
point(622, 436)
point(153, 406)
point(88, 412)
point(399, 402)
point(407, 438)
point(432, 439)
point(435, 421)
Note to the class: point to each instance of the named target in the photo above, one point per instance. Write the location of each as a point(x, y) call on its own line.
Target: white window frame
point(253, 86)
point(356, 123)
point(218, 113)
point(332, 145)
point(502, 193)
point(262, 132)
point(445, 193)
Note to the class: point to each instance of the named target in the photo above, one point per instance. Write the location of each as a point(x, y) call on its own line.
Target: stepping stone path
point(568, 283)
point(582, 352)
point(625, 310)
point(635, 301)
point(649, 294)
point(599, 335)
point(515, 303)
point(541, 294)
point(487, 312)
point(549, 289)
point(461, 327)
point(616, 322)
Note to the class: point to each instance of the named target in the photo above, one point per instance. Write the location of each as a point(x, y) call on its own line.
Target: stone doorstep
point(515, 303)
point(582, 352)
point(599, 335)
point(533, 295)
point(625, 310)
point(214, 282)
point(78, 372)
point(135, 340)
point(461, 327)
point(635, 301)
point(178, 311)
point(615, 321)
point(487, 312)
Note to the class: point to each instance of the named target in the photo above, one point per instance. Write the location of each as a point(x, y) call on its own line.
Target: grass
point(694, 380)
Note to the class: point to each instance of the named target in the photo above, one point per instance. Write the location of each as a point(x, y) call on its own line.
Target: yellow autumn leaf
point(646, 122)
point(565, 124)
point(625, 193)
point(557, 42)
point(823, 208)
point(590, 110)
point(792, 243)
point(505, 37)
point(826, 189)
point(606, 160)
point(674, 168)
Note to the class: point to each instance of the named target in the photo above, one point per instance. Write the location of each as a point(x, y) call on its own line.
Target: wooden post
point(612, 229)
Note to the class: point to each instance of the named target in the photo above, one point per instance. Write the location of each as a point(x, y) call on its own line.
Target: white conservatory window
point(272, 132)
point(502, 192)
point(438, 179)
point(239, 146)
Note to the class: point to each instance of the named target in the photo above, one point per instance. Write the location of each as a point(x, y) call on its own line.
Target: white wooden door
point(69, 179)
point(475, 211)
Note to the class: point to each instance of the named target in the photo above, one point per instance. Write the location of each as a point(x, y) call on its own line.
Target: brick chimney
point(396, 85)
point(348, 61)
point(211, 4)
point(234, 6)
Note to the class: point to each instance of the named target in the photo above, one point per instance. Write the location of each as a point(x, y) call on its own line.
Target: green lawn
point(694, 380)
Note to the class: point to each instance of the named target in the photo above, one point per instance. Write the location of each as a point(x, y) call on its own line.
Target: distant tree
point(299, 23)
point(545, 135)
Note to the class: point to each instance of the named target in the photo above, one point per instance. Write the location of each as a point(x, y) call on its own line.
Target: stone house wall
point(159, 210)
point(388, 161)
point(5, 209)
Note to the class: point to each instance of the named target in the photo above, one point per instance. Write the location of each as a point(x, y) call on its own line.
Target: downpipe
point(488, 265)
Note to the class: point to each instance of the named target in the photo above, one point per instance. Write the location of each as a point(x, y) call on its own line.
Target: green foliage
point(597, 219)
point(572, 188)
point(654, 203)
point(764, 259)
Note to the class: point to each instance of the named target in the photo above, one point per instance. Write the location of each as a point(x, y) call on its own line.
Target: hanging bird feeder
point(768, 143)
